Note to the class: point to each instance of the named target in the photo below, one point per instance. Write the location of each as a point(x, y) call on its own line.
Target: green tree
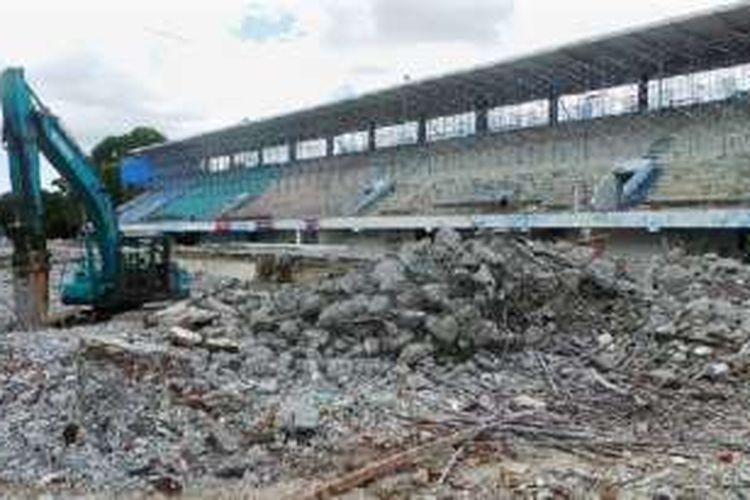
point(110, 151)
point(63, 217)
point(63, 211)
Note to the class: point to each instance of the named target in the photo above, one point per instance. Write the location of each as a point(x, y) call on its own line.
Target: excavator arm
point(63, 153)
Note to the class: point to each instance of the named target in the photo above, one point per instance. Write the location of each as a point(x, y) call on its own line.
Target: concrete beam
point(644, 220)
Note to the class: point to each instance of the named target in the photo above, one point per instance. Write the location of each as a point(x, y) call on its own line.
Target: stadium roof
point(715, 39)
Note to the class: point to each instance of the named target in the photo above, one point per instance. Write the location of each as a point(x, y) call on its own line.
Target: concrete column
point(422, 131)
point(643, 94)
point(371, 144)
point(330, 146)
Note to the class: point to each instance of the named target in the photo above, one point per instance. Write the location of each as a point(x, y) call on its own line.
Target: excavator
point(116, 272)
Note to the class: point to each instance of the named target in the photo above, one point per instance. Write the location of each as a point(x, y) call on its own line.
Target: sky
point(188, 66)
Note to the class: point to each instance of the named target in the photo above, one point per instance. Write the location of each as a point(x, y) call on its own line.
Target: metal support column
point(643, 94)
point(554, 107)
point(482, 124)
point(422, 131)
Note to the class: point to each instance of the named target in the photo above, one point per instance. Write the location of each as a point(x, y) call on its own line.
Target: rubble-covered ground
point(480, 368)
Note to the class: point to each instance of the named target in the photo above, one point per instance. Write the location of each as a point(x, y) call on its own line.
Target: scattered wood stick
point(547, 373)
point(394, 463)
point(599, 379)
point(451, 464)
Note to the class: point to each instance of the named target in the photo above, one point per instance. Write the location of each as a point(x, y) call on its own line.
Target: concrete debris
point(539, 349)
point(300, 415)
point(527, 403)
point(182, 337)
point(717, 371)
point(185, 315)
point(415, 352)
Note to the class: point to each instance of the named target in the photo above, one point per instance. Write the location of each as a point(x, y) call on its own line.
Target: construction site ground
point(476, 367)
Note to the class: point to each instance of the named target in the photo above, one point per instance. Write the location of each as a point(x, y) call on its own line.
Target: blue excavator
point(116, 272)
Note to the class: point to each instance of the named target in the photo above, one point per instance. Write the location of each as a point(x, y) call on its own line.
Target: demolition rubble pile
point(260, 384)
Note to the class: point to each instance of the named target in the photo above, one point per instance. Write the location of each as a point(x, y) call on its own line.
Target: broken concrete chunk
point(448, 238)
point(703, 351)
point(389, 273)
point(268, 386)
point(379, 305)
point(415, 352)
point(342, 312)
point(485, 333)
point(444, 329)
point(120, 349)
point(221, 440)
point(371, 346)
point(664, 377)
point(289, 329)
point(436, 296)
point(300, 415)
point(410, 319)
point(221, 344)
point(182, 337)
point(184, 314)
point(663, 493)
point(213, 304)
point(527, 403)
point(310, 304)
point(484, 277)
point(605, 339)
point(717, 371)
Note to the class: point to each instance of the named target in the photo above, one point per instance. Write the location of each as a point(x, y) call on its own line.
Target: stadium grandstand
point(645, 130)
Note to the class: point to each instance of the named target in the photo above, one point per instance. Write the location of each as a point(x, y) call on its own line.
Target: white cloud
point(449, 21)
point(105, 66)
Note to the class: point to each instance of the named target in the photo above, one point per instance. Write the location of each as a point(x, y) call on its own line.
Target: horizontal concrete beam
point(650, 221)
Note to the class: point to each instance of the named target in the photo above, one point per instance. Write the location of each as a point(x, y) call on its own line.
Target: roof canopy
point(716, 39)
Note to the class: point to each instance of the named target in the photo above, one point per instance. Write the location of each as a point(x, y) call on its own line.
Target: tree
point(109, 152)
point(64, 214)
point(115, 148)
point(63, 219)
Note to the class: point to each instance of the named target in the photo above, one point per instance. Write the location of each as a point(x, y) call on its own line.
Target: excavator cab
point(147, 274)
